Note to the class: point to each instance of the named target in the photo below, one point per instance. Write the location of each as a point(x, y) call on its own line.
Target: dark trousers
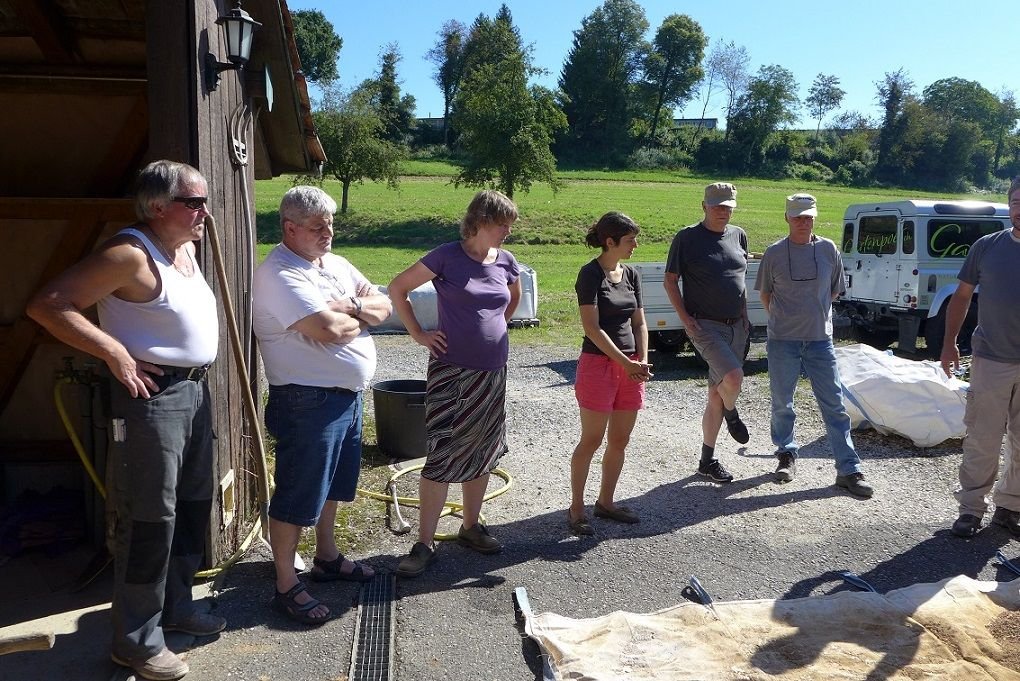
point(162, 459)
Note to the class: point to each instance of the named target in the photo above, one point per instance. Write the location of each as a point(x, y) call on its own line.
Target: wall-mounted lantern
point(239, 28)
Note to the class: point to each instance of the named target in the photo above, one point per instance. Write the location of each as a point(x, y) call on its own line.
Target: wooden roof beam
point(46, 26)
point(56, 84)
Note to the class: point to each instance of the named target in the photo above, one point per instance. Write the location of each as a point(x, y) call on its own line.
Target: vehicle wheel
point(669, 341)
point(935, 331)
point(967, 330)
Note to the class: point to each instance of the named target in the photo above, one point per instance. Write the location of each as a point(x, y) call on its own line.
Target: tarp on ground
point(896, 395)
point(959, 629)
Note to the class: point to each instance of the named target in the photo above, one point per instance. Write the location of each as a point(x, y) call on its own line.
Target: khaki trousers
point(993, 410)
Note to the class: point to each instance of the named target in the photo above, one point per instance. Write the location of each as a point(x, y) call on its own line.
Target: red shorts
point(602, 385)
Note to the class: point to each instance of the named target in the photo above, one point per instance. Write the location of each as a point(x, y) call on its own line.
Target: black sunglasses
point(191, 202)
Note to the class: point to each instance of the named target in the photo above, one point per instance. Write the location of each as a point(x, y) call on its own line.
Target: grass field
point(385, 231)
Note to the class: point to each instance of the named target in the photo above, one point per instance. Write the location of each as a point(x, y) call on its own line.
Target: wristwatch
point(356, 301)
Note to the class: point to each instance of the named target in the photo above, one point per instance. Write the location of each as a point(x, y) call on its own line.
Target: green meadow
point(385, 231)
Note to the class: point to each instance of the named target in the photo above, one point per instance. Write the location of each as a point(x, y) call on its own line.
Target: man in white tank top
point(311, 311)
point(157, 334)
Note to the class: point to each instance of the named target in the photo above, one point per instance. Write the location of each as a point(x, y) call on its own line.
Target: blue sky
point(858, 41)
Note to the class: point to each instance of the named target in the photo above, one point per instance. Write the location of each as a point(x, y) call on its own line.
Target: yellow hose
point(449, 508)
point(78, 447)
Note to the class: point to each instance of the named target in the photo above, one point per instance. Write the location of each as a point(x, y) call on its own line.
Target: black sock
point(707, 453)
point(730, 414)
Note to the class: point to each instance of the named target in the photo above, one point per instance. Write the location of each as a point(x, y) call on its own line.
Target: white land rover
point(902, 259)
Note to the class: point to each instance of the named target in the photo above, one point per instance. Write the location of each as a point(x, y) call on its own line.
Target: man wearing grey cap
point(799, 277)
point(710, 258)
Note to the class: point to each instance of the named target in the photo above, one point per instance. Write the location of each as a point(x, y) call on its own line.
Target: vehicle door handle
point(859, 262)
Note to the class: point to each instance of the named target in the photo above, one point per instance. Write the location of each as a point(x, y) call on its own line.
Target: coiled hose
point(450, 507)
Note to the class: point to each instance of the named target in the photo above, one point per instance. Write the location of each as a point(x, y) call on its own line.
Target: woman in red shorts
point(613, 367)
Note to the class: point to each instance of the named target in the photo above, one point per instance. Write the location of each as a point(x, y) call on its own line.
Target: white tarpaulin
point(958, 629)
point(895, 395)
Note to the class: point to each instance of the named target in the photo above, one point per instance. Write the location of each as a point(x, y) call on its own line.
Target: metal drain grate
point(372, 657)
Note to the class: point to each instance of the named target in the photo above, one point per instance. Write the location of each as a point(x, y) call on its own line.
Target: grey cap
point(721, 194)
point(801, 204)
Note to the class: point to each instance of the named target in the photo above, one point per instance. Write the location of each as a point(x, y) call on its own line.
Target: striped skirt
point(465, 422)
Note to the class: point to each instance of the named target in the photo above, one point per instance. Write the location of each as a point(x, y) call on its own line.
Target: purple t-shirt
point(472, 300)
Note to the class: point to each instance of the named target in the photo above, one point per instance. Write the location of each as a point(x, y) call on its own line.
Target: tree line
point(613, 108)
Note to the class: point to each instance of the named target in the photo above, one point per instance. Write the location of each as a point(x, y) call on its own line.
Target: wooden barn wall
point(191, 124)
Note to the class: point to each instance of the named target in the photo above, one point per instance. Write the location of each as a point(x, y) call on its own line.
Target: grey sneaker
point(163, 666)
point(414, 563)
point(854, 483)
point(1003, 517)
point(198, 624)
point(787, 467)
point(477, 537)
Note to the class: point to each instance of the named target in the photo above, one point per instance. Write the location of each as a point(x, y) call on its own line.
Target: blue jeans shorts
point(318, 449)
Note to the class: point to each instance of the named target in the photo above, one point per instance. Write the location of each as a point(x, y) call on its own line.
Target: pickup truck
point(902, 259)
point(665, 331)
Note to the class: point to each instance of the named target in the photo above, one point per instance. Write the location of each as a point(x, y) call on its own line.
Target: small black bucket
point(400, 418)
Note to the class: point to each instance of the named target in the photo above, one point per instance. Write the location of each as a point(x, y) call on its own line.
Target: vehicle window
point(908, 237)
point(949, 238)
point(878, 234)
point(848, 237)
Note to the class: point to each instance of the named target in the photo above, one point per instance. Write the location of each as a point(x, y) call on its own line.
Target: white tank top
point(179, 327)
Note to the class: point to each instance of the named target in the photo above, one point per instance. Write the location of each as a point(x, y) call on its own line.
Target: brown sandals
point(329, 571)
point(287, 604)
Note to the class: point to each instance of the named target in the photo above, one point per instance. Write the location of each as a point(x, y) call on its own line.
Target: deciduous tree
point(1005, 124)
point(673, 65)
point(318, 45)
point(731, 63)
point(351, 132)
point(956, 99)
point(505, 127)
point(824, 96)
point(769, 102)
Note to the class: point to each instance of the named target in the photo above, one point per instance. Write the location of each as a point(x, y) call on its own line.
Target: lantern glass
point(239, 28)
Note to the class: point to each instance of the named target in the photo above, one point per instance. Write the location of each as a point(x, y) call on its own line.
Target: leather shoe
point(855, 484)
point(163, 666)
point(620, 514)
point(967, 525)
point(1010, 520)
point(198, 624)
point(414, 563)
point(477, 537)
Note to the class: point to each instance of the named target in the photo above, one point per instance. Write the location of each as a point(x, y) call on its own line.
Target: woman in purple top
point(478, 288)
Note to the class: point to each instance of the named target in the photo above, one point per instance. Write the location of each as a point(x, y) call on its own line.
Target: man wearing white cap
point(711, 260)
point(799, 277)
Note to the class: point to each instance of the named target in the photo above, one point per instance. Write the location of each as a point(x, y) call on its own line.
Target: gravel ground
point(752, 539)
